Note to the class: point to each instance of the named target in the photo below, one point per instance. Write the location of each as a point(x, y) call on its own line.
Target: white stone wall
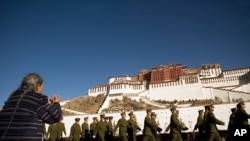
point(225, 95)
point(97, 90)
point(243, 88)
point(126, 88)
point(113, 79)
point(176, 91)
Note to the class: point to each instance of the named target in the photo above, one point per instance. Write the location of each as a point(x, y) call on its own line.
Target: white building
point(207, 83)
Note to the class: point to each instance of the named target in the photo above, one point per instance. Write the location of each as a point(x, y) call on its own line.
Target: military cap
point(106, 117)
point(206, 107)
point(85, 118)
point(153, 114)
point(111, 117)
point(233, 109)
point(102, 116)
point(131, 113)
point(149, 110)
point(242, 103)
point(201, 111)
point(77, 119)
point(123, 113)
point(239, 104)
point(94, 118)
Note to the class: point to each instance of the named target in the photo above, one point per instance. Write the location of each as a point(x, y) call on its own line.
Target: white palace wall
point(243, 88)
point(225, 95)
point(97, 90)
point(190, 86)
point(126, 88)
point(175, 91)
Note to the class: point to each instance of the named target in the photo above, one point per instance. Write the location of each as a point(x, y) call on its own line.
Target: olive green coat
point(61, 129)
point(110, 127)
point(241, 118)
point(149, 124)
point(92, 128)
point(75, 132)
point(52, 132)
point(85, 129)
point(175, 128)
point(211, 122)
point(132, 129)
point(101, 129)
point(212, 130)
point(123, 125)
point(199, 123)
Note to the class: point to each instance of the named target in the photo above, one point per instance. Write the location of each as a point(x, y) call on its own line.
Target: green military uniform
point(212, 130)
point(241, 121)
point(176, 126)
point(147, 132)
point(85, 130)
point(132, 129)
point(100, 131)
point(123, 125)
point(60, 129)
point(52, 132)
point(93, 127)
point(168, 128)
point(75, 131)
point(199, 126)
point(231, 125)
point(109, 131)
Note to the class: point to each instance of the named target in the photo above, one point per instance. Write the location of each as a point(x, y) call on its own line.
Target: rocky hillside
point(86, 104)
point(90, 104)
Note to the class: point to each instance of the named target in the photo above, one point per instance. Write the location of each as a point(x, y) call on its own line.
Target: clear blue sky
point(75, 45)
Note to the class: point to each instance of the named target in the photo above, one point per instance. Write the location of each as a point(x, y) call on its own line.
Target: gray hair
point(31, 81)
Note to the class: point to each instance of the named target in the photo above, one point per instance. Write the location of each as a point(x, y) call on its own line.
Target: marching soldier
point(199, 125)
point(85, 129)
point(75, 131)
point(101, 129)
point(231, 125)
point(123, 125)
point(132, 127)
point(106, 120)
point(241, 116)
point(176, 126)
point(60, 129)
point(93, 127)
point(211, 121)
point(241, 119)
point(148, 125)
point(52, 132)
point(110, 129)
point(157, 129)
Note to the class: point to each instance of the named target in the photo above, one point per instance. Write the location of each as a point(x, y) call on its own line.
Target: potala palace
point(177, 82)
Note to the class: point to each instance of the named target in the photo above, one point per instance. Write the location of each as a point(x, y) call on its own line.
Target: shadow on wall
point(244, 79)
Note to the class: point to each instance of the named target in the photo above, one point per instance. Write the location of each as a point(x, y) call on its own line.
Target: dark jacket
point(241, 118)
point(26, 121)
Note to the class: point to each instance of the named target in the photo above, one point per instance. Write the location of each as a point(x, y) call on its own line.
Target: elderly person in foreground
point(26, 110)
